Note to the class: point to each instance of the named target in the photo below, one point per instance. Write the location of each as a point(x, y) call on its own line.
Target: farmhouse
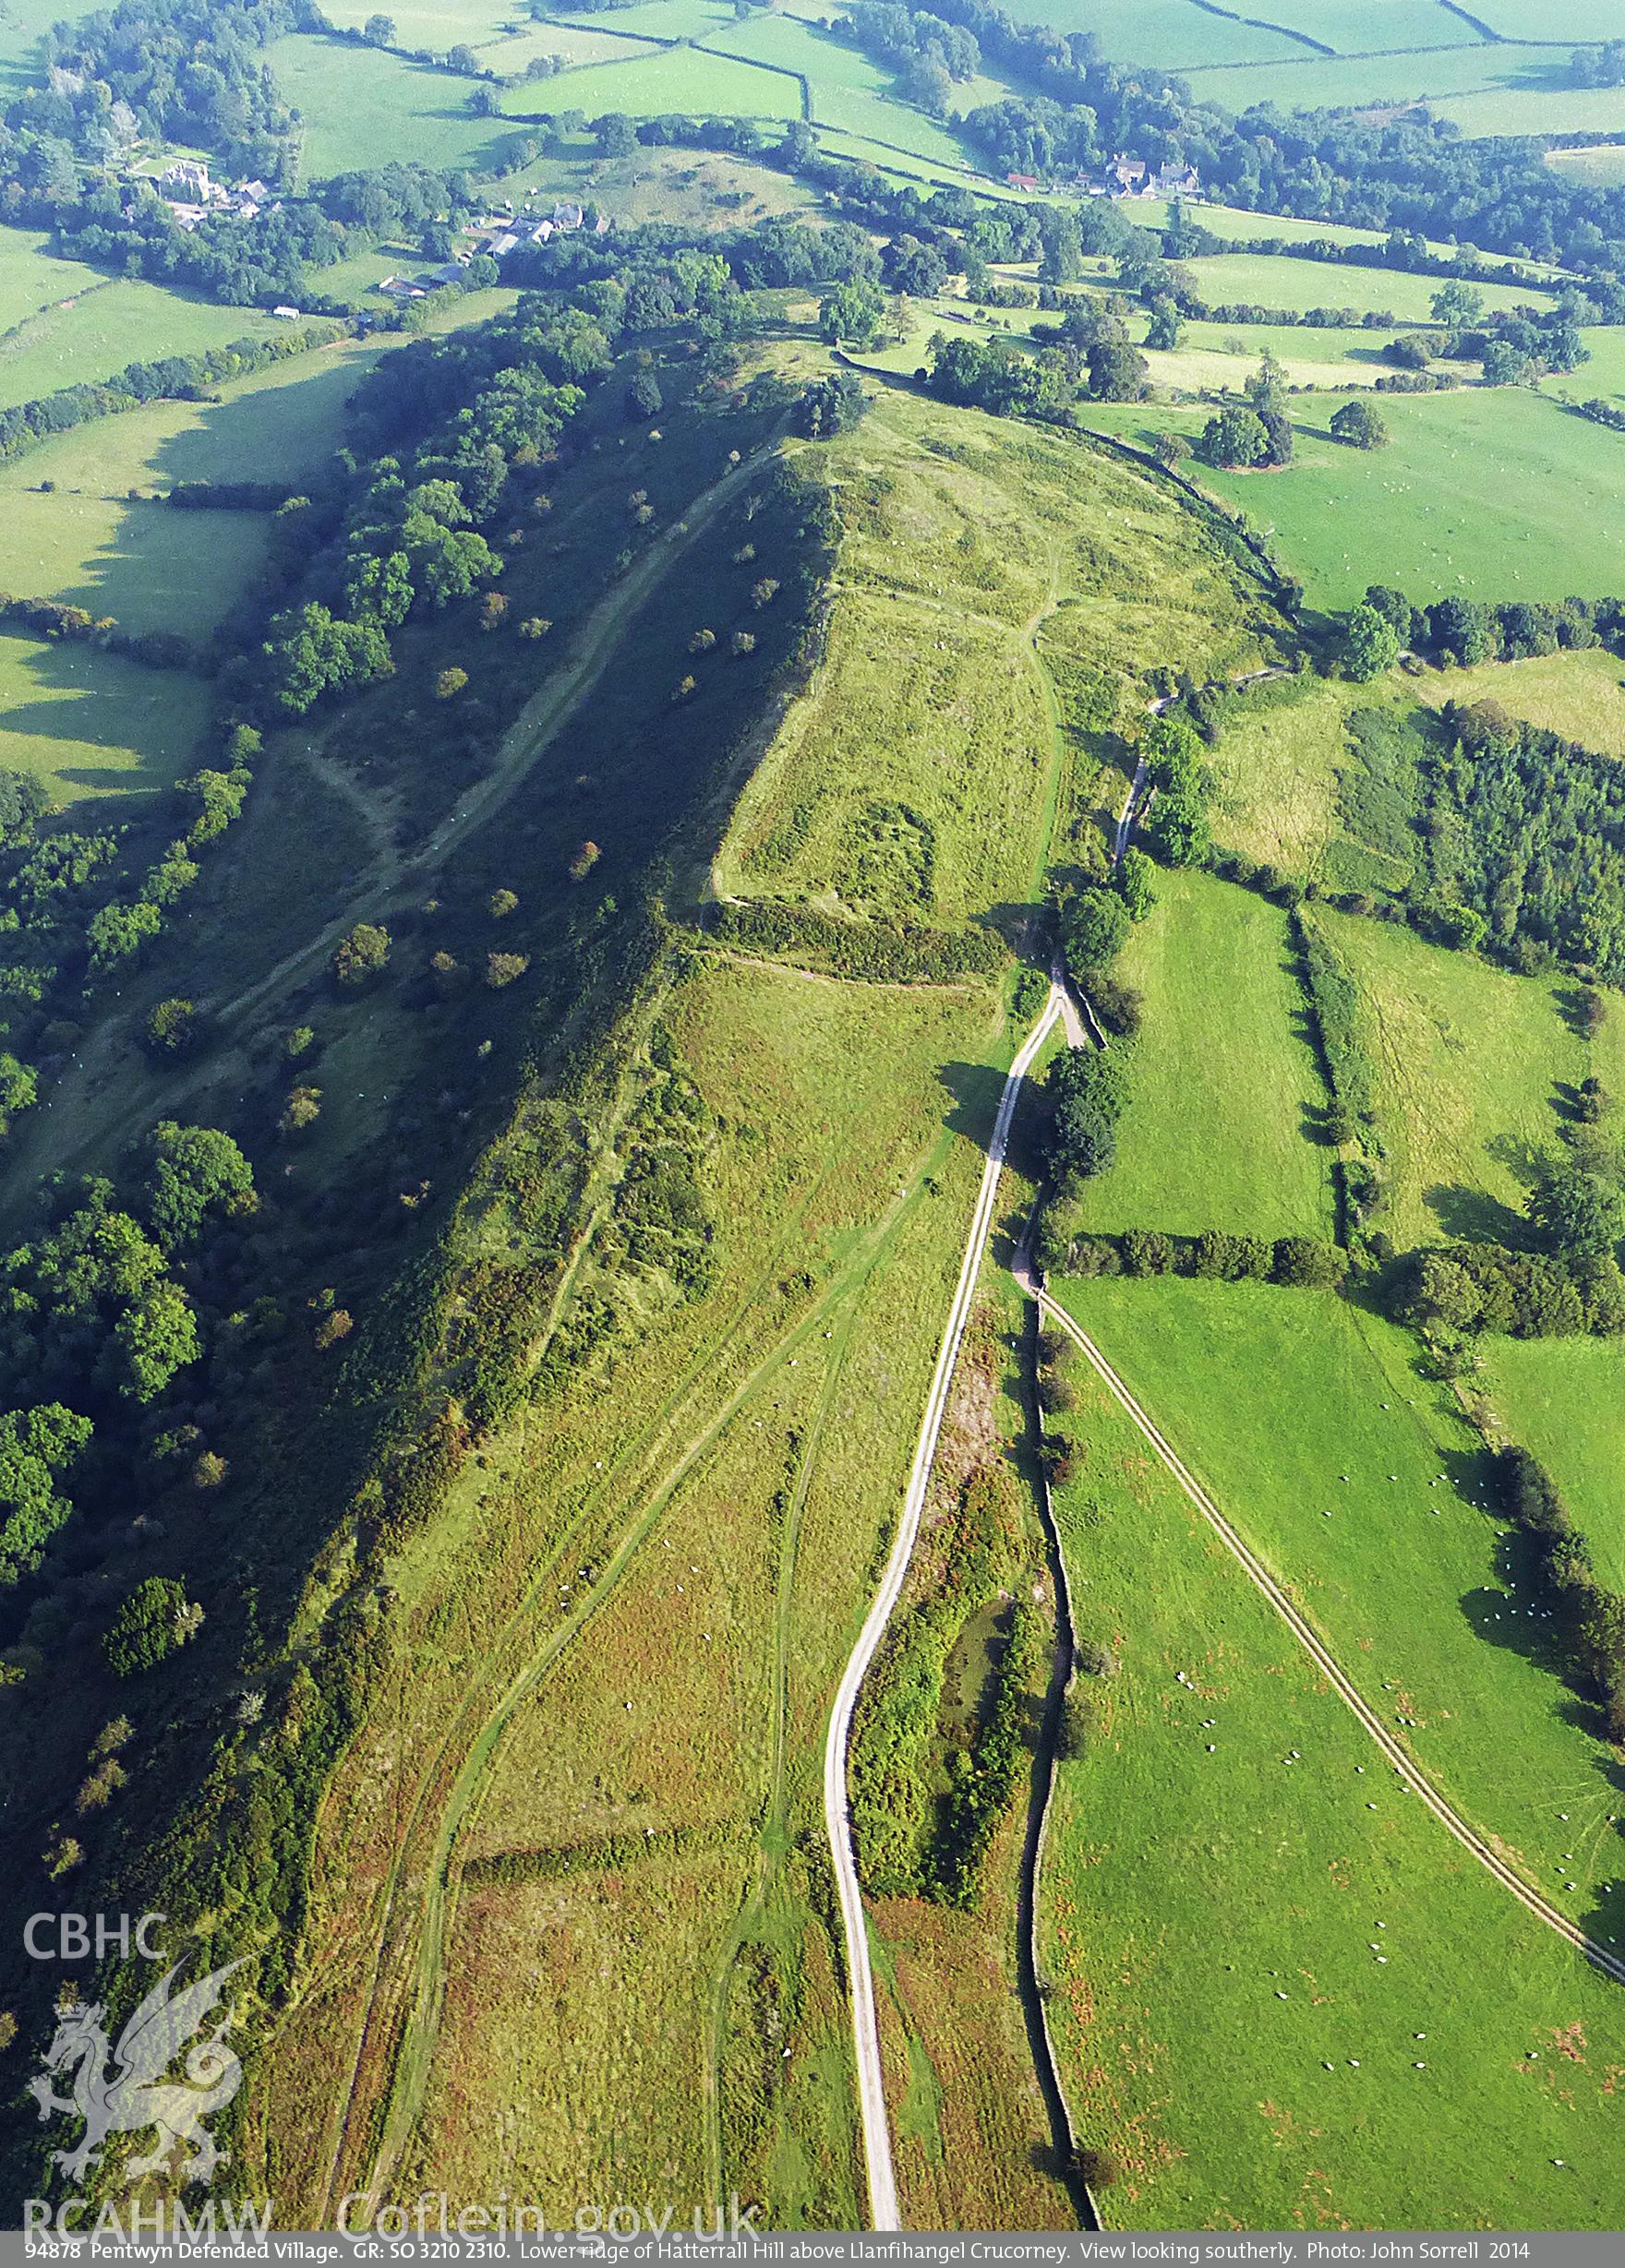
point(1132, 177)
point(188, 181)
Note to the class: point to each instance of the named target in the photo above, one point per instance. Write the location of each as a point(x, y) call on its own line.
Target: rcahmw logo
point(132, 2086)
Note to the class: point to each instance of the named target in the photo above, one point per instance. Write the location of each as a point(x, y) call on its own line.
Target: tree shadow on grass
point(1525, 1619)
point(975, 1089)
point(1571, 1005)
point(147, 720)
point(1474, 1217)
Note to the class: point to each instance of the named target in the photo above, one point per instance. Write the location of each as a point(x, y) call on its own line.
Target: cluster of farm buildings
point(496, 234)
point(1125, 177)
point(186, 186)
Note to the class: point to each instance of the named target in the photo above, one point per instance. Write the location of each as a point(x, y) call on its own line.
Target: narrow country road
point(877, 2144)
point(1392, 1750)
point(1126, 816)
point(883, 2189)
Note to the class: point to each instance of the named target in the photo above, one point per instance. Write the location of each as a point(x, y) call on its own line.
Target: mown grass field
point(84, 333)
point(1224, 1092)
point(32, 279)
point(1536, 99)
point(1564, 20)
point(1185, 1892)
point(87, 724)
point(1234, 224)
point(1603, 168)
point(1473, 1069)
point(25, 24)
point(663, 19)
point(1487, 493)
point(848, 91)
point(1271, 1399)
point(1358, 27)
point(1222, 356)
point(1487, 89)
point(1604, 374)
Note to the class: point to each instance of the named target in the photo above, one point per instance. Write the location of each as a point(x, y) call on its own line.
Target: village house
point(1132, 177)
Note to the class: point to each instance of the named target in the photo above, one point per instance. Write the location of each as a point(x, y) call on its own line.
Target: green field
point(1562, 19)
point(1173, 34)
point(149, 567)
point(1488, 492)
point(500, 32)
point(1316, 1431)
point(1488, 89)
point(1469, 1063)
point(1234, 224)
point(32, 279)
point(1277, 765)
point(22, 27)
point(1602, 168)
point(848, 92)
point(1580, 696)
point(1221, 356)
point(658, 79)
point(87, 724)
point(1223, 1087)
point(1187, 1891)
point(1561, 1398)
point(1362, 26)
point(88, 335)
point(362, 107)
point(1267, 279)
point(1532, 104)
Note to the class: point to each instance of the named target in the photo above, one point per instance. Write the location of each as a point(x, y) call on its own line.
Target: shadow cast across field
point(85, 700)
point(157, 568)
point(1473, 1216)
point(975, 1089)
point(1504, 1618)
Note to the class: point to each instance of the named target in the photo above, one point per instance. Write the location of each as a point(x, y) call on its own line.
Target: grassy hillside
point(688, 1534)
point(971, 604)
point(1215, 1914)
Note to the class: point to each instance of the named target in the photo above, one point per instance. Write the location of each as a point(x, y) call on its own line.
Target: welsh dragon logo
point(136, 2091)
